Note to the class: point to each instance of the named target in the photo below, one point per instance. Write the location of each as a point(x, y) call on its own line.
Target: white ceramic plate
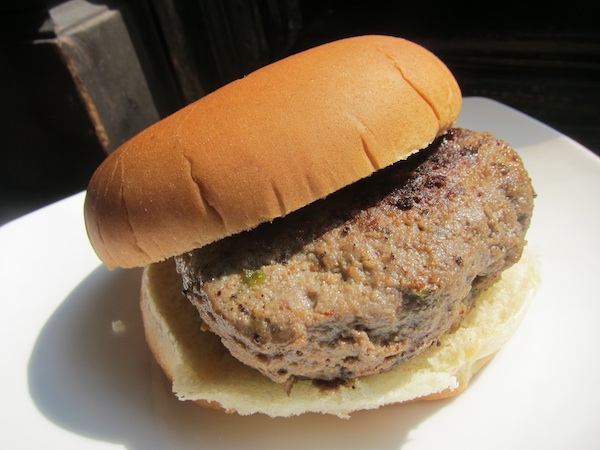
point(76, 374)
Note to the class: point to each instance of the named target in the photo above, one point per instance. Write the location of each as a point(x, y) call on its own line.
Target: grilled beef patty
point(372, 275)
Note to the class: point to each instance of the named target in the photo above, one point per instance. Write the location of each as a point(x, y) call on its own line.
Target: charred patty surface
point(372, 275)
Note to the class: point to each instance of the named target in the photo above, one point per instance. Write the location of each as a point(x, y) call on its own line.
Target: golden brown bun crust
point(266, 145)
point(203, 371)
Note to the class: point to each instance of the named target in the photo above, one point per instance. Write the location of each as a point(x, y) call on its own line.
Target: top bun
point(263, 146)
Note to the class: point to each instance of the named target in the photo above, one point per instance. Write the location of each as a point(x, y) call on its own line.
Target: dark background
point(79, 77)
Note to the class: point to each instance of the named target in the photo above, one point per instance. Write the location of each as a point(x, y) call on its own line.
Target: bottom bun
point(202, 370)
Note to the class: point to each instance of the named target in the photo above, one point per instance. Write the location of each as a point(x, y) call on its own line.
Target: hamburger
point(317, 237)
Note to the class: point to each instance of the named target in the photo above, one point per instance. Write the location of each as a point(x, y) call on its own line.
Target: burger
point(317, 237)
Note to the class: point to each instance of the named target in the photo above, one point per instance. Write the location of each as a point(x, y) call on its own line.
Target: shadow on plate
point(91, 373)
